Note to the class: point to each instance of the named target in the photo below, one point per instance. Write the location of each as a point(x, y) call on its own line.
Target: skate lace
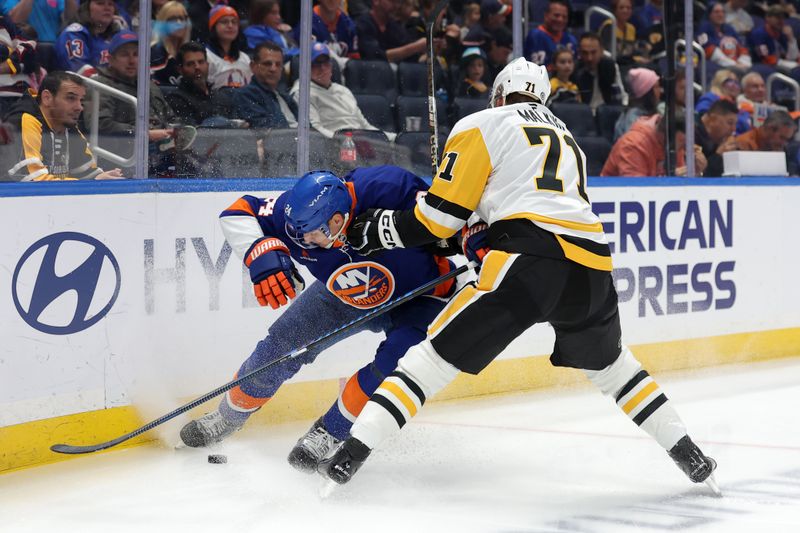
point(319, 440)
point(214, 424)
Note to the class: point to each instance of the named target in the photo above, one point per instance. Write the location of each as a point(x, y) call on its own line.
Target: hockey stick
point(70, 449)
point(433, 122)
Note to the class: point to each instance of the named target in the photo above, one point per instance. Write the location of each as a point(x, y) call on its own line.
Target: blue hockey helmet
point(311, 203)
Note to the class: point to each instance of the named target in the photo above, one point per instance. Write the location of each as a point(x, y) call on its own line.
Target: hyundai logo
point(65, 283)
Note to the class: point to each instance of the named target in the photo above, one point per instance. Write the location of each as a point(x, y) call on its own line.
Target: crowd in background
point(232, 66)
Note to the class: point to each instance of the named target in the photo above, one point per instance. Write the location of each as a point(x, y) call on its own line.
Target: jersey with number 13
point(513, 162)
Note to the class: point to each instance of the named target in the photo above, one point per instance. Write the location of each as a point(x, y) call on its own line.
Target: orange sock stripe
point(242, 400)
point(353, 397)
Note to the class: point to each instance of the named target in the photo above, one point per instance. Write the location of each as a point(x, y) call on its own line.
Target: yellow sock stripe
point(401, 395)
point(641, 395)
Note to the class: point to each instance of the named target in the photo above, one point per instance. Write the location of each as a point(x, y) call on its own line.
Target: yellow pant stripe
point(641, 395)
point(401, 395)
point(492, 264)
point(584, 257)
point(453, 307)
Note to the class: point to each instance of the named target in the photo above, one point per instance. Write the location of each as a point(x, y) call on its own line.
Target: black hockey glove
point(374, 231)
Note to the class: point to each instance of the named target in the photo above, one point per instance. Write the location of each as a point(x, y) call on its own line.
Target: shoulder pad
point(75, 27)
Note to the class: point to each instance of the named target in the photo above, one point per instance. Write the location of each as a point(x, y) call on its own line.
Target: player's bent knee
point(612, 378)
point(427, 368)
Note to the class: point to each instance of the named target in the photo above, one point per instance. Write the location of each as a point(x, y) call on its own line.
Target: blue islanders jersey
point(358, 281)
point(79, 51)
point(540, 45)
point(340, 36)
point(767, 47)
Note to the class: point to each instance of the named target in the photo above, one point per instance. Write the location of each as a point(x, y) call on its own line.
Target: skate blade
point(712, 484)
point(327, 488)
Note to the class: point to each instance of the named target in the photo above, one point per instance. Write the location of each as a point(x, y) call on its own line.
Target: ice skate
point(343, 465)
point(208, 429)
point(698, 467)
point(311, 448)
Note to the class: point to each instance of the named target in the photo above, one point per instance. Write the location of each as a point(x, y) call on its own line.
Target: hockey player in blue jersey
point(307, 224)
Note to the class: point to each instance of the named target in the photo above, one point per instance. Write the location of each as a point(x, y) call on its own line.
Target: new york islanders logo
point(363, 285)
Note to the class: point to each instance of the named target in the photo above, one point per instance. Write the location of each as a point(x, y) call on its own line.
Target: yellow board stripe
point(26, 445)
point(401, 395)
point(592, 228)
point(584, 257)
point(641, 395)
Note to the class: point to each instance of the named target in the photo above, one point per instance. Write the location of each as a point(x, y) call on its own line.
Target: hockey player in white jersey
point(519, 168)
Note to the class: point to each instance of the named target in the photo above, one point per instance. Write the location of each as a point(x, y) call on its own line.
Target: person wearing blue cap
point(473, 68)
point(117, 119)
point(332, 106)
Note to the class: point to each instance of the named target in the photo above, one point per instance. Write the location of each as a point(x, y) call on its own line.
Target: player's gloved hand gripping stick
point(70, 449)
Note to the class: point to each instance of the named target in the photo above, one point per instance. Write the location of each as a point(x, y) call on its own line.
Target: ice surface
point(535, 462)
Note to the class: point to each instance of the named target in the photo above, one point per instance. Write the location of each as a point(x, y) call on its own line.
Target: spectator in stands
point(266, 24)
point(736, 16)
point(195, 101)
point(117, 118)
point(332, 107)
point(630, 50)
point(597, 76)
point(775, 44)
point(753, 102)
point(171, 30)
point(46, 16)
point(332, 26)
point(640, 152)
point(722, 44)
point(562, 89)
point(645, 96)
point(199, 11)
point(260, 103)
point(228, 65)
point(714, 133)
point(381, 37)
point(679, 95)
point(498, 46)
point(51, 147)
point(18, 63)
point(471, 17)
point(542, 42)
point(83, 46)
point(493, 14)
point(472, 70)
point(651, 14)
point(772, 136)
point(724, 86)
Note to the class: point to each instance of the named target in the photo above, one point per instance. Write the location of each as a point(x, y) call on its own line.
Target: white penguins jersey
point(515, 162)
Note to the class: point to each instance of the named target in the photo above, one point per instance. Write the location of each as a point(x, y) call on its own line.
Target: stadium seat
point(607, 115)
point(412, 79)
point(371, 77)
point(230, 152)
point(413, 151)
point(377, 110)
point(280, 152)
point(596, 150)
point(467, 106)
point(577, 117)
point(411, 109)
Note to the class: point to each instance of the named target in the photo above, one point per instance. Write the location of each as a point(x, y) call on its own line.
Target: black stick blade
point(76, 450)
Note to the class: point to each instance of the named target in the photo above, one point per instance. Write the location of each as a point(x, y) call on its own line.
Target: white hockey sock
point(640, 397)
point(420, 374)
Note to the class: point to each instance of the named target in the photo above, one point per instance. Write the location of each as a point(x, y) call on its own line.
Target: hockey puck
point(217, 459)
